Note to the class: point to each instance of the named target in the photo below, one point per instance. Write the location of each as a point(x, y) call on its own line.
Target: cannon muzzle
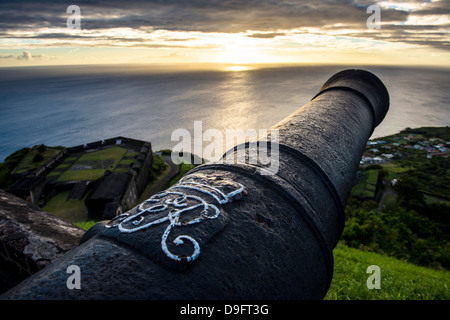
point(236, 230)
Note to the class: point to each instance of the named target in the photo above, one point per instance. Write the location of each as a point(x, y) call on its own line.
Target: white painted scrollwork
point(178, 205)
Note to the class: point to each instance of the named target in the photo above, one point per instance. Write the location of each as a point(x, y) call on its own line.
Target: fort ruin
point(109, 174)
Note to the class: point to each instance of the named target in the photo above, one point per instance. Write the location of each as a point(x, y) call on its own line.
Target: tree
point(41, 148)
point(38, 157)
point(409, 195)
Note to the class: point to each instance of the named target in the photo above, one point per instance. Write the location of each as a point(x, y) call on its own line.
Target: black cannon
point(235, 230)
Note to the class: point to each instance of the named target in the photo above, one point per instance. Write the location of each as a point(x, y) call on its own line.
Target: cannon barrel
point(236, 230)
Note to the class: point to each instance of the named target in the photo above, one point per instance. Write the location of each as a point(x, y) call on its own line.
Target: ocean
point(72, 105)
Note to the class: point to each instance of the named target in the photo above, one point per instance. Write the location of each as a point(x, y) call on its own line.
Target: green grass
point(72, 210)
point(366, 187)
point(185, 167)
point(395, 168)
point(27, 161)
point(109, 153)
point(430, 199)
point(158, 172)
point(127, 161)
point(399, 280)
point(372, 176)
point(63, 165)
point(114, 153)
point(85, 225)
point(7, 167)
point(68, 210)
point(149, 186)
point(80, 175)
point(132, 153)
point(395, 171)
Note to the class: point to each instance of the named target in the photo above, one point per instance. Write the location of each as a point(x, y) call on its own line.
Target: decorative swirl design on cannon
point(152, 211)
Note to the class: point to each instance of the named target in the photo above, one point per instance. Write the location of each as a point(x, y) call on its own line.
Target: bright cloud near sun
point(240, 49)
point(319, 31)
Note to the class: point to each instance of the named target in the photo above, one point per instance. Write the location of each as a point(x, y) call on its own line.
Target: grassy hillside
point(399, 280)
point(400, 205)
point(398, 218)
point(24, 160)
point(35, 158)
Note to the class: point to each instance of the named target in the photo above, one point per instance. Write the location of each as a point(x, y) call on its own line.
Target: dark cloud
point(199, 15)
point(264, 18)
point(433, 8)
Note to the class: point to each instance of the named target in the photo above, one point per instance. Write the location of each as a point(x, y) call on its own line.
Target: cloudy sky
point(225, 31)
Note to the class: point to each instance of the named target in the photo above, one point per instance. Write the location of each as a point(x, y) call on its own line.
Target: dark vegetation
point(9, 165)
point(157, 168)
point(400, 232)
point(429, 132)
point(24, 160)
point(409, 220)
